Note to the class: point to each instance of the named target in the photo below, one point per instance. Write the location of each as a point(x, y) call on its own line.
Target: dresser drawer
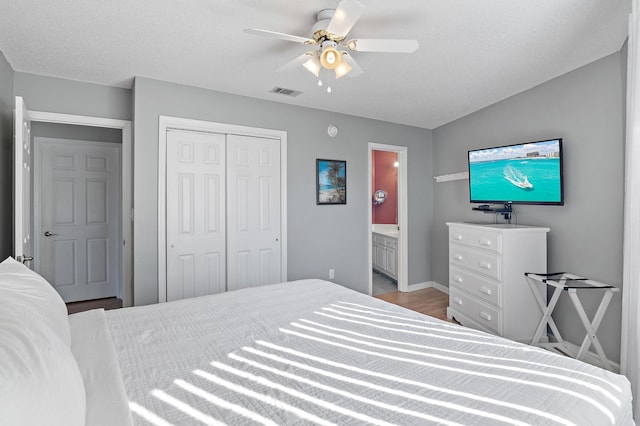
point(378, 238)
point(475, 260)
point(381, 239)
point(486, 240)
point(481, 288)
point(475, 310)
point(391, 242)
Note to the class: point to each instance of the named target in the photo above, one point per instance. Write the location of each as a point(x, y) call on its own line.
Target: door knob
point(49, 234)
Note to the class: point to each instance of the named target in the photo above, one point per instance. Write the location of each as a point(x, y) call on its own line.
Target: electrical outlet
point(332, 274)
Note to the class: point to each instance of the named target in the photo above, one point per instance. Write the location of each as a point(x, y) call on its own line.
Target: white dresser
point(487, 287)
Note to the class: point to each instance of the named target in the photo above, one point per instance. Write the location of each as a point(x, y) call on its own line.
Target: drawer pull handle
point(485, 265)
point(457, 278)
point(485, 316)
point(485, 242)
point(457, 300)
point(457, 237)
point(485, 290)
point(457, 256)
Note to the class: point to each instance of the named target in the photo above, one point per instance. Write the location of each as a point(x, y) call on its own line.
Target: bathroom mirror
point(379, 196)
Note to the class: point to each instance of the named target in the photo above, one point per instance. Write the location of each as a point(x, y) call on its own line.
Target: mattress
point(313, 352)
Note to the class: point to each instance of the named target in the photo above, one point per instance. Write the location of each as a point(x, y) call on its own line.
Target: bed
point(301, 352)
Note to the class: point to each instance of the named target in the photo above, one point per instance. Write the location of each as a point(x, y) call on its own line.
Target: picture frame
point(331, 182)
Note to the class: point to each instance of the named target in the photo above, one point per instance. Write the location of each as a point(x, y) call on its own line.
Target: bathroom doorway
point(387, 219)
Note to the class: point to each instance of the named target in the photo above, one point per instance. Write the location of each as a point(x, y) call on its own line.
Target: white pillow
point(40, 383)
point(20, 286)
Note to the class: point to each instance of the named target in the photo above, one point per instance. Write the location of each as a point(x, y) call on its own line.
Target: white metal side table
point(570, 283)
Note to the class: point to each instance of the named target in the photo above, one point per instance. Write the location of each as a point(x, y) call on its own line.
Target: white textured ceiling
point(472, 52)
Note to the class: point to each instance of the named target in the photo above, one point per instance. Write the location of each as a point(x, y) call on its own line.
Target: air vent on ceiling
point(287, 92)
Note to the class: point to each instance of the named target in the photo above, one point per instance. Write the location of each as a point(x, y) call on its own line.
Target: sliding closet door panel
point(196, 228)
point(253, 217)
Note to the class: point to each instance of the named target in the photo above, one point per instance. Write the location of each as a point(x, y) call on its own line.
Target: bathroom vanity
point(385, 249)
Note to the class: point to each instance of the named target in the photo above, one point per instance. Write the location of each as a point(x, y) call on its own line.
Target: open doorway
point(388, 231)
point(122, 129)
point(384, 221)
point(77, 200)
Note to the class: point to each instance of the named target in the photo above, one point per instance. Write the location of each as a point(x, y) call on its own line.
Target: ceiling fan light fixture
point(330, 58)
point(342, 69)
point(313, 65)
point(332, 49)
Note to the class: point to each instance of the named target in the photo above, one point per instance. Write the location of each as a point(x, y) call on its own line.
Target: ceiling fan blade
point(382, 45)
point(344, 18)
point(356, 70)
point(297, 62)
point(281, 36)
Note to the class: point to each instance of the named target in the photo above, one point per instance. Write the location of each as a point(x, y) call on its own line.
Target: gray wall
point(51, 94)
point(69, 131)
point(585, 108)
point(6, 156)
point(320, 237)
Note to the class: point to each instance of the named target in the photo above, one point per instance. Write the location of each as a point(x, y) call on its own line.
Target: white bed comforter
point(312, 352)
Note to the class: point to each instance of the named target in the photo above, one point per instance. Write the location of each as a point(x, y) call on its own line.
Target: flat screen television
point(528, 173)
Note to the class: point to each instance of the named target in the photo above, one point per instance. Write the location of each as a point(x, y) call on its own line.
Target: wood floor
point(427, 301)
point(108, 303)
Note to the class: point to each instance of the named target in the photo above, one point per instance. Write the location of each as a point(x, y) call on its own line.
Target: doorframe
point(177, 123)
point(126, 261)
point(403, 221)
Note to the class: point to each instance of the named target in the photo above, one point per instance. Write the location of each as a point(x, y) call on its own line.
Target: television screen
point(529, 173)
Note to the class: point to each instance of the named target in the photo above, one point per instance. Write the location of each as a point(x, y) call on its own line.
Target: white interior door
point(78, 241)
point(22, 242)
point(253, 215)
point(196, 228)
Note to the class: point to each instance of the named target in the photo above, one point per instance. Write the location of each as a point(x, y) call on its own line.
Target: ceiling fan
point(332, 50)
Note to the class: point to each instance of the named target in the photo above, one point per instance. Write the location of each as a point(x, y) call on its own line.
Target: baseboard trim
point(428, 284)
point(590, 358)
point(419, 286)
point(440, 287)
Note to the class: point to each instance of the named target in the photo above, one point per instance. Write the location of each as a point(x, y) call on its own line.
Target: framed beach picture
point(331, 182)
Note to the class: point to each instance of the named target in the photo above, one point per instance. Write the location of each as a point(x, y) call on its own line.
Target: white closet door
point(253, 216)
point(195, 214)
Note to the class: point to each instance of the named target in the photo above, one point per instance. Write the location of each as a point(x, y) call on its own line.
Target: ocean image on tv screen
point(527, 173)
